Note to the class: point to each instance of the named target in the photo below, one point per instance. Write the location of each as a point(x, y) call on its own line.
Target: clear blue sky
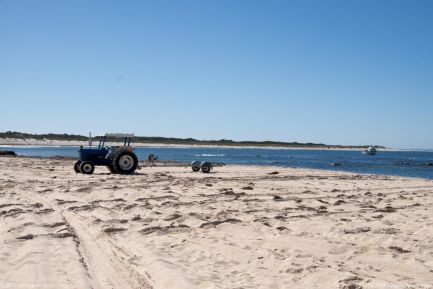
point(336, 72)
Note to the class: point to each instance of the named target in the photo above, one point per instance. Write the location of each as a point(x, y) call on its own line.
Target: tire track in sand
point(105, 267)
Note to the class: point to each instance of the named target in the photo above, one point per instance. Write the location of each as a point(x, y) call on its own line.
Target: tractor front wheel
point(125, 162)
point(77, 167)
point(87, 168)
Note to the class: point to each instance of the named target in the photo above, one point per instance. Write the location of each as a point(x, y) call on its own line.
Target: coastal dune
point(238, 227)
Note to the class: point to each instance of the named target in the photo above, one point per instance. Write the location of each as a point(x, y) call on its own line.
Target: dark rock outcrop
point(8, 153)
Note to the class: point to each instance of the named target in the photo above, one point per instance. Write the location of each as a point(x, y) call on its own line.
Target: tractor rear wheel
point(77, 167)
point(125, 162)
point(87, 168)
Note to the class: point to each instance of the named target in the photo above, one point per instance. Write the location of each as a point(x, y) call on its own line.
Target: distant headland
point(20, 138)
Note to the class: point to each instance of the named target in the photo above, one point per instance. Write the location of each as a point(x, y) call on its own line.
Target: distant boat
point(371, 151)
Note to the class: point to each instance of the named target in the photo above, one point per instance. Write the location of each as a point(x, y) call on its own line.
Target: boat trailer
point(205, 167)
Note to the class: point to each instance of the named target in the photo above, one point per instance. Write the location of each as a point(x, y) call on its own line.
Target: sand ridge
point(239, 227)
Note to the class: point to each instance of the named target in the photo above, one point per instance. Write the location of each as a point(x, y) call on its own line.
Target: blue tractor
point(118, 159)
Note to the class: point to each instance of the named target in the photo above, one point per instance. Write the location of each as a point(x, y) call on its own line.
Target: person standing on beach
point(151, 160)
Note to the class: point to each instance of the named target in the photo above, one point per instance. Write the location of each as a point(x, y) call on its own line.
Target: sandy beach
point(238, 227)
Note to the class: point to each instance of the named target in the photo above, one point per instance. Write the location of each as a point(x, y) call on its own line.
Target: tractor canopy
point(125, 136)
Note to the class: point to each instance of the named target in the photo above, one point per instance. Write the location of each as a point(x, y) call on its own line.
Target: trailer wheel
point(87, 168)
point(125, 162)
point(206, 167)
point(77, 167)
point(195, 166)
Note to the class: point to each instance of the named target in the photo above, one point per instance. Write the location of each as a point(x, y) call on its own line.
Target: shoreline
point(173, 163)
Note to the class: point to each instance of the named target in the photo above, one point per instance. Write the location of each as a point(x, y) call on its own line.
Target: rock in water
point(8, 153)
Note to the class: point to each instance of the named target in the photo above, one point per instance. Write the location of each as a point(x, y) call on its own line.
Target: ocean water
point(399, 163)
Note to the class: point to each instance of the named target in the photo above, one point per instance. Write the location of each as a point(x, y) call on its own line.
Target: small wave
point(211, 155)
